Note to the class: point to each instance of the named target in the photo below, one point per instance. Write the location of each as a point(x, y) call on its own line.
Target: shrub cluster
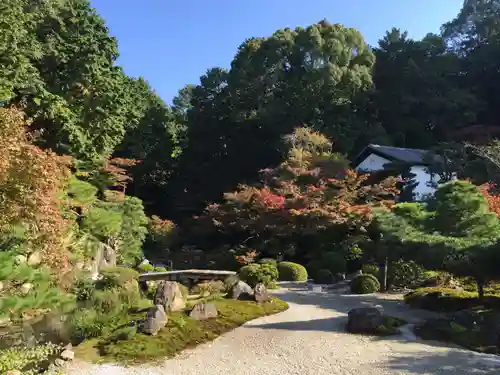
point(289, 271)
point(364, 284)
point(272, 261)
point(27, 360)
point(324, 276)
point(448, 300)
point(256, 273)
point(370, 269)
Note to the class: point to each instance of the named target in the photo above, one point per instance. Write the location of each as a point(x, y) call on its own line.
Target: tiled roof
point(413, 156)
point(408, 155)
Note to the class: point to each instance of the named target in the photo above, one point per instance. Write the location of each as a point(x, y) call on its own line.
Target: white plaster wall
point(423, 178)
point(375, 163)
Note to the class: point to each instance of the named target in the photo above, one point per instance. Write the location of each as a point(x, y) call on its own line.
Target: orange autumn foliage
point(31, 180)
point(493, 199)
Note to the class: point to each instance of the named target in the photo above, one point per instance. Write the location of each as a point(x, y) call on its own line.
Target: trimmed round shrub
point(370, 269)
point(256, 273)
point(364, 284)
point(324, 276)
point(160, 269)
point(272, 261)
point(145, 268)
point(289, 271)
point(406, 274)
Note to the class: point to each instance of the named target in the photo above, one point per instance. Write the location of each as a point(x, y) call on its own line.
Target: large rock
point(156, 319)
point(364, 320)
point(169, 295)
point(241, 290)
point(204, 311)
point(260, 293)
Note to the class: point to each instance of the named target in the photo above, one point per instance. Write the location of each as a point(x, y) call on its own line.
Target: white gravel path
point(309, 339)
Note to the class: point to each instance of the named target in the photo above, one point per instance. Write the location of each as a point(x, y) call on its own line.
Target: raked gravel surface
point(309, 339)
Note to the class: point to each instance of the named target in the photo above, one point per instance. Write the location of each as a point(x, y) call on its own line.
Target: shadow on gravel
point(342, 303)
point(454, 362)
point(336, 324)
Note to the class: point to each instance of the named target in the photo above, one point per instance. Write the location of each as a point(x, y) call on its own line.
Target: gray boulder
point(364, 320)
point(204, 311)
point(169, 295)
point(156, 319)
point(241, 290)
point(260, 293)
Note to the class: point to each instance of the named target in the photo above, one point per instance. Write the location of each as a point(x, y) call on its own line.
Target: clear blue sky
point(172, 42)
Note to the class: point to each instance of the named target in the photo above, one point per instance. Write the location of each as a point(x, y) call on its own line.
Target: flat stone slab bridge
point(187, 277)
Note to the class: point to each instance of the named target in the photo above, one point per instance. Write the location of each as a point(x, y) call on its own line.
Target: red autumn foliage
point(300, 201)
point(31, 180)
point(493, 199)
point(247, 258)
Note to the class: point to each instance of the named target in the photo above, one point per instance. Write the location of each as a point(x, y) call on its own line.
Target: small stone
point(68, 347)
point(26, 287)
point(156, 319)
point(204, 311)
point(13, 372)
point(68, 355)
point(35, 259)
point(260, 293)
point(20, 259)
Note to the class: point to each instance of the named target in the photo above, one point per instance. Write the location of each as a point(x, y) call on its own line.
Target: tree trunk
point(480, 288)
point(383, 276)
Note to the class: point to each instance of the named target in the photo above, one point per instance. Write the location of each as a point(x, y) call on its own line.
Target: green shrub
point(324, 277)
point(83, 288)
point(117, 277)
point(289, 271)
point(370, 269)
point(256, 273)
point(406, 274)
point(272, 261)
point(123, 334)
point(331, 260)
point(27, 360)
point(229, 282)
point(364, 284)
point(88, 323)
point(145, 268)
point(208, 288)
point(160, 269)
point(448, 300)
point(107, 301)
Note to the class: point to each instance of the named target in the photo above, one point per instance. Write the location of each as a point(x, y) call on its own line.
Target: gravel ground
point(309, 339)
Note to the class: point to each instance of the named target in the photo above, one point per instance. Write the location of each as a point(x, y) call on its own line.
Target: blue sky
point(172, 42)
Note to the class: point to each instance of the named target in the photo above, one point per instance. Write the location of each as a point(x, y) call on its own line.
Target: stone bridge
point(186, 277)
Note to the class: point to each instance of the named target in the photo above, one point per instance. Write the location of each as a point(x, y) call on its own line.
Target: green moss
point(447, 300)
point(181, 332)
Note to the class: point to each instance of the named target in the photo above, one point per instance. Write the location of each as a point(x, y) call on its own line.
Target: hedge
point(289, 271)
point(364, 284)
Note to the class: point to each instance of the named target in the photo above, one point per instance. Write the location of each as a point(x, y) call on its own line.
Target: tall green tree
point(307, 76)
point(420, 96)
point(456, 232)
